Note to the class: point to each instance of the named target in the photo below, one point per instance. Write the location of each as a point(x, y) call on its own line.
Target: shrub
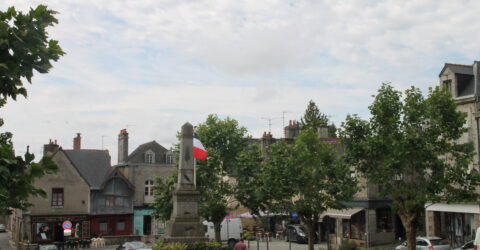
point(207, 245)
point(348, 245)
point(170, 246)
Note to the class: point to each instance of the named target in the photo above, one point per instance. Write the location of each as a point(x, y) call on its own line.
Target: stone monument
point(184, 224)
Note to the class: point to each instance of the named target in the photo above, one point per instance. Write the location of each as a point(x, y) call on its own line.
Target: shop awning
point(454, 208)
point(343, 214)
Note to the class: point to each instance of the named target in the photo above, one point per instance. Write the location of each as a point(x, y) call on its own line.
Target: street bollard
point(258, 244)
point(289, 243)
point(248, 242)
point(267, 242)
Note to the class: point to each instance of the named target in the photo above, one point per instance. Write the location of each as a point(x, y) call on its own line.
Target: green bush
point(170, 246)
point(207, 245)
point(348, 245)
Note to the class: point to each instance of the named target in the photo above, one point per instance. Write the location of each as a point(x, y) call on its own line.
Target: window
point(103, 226)
point(384, 220)
point(57, 197)
point(110, 201)
point(447, 85)
point(149, 157)
point(149, 188)
point(43, 231)
point(169, 158)
point(120, 225)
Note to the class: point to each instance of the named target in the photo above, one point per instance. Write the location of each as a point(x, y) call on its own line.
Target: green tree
point(411, 148)
point(307, 177)
point(163, 190)
point(249, 165)
point(223, 139)
point(314, 119)
point(24, 46)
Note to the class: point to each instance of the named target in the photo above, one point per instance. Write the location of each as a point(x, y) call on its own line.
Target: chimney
point(323, 131)
point(77, 142)
point(50, 148)
point(292, 130)
point(476, 77)
point(122, 146)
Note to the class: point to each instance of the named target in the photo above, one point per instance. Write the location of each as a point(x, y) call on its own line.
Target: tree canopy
point(24, 47)
point(307, 177)
point(411, 147)
point(314, 119)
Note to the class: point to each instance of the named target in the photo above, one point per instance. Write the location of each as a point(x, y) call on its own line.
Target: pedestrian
point(476, 243)
point(240, 245)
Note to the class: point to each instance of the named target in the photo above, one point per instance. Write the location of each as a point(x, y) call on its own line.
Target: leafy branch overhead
point(24, 47)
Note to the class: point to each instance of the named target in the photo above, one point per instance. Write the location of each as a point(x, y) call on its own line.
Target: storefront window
point(384, 220)
point(44, 231)
point(120, 225)
point(103, 226)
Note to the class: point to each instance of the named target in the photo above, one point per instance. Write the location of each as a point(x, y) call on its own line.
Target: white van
point(231, 231)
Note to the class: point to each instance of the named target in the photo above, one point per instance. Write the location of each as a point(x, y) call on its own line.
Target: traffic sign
point(228, 217)
point(67, 225)
point(294, 215)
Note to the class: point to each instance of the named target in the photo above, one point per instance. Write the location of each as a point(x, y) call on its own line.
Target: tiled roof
point(144, 147)
point(458, 68)
point(93, 165)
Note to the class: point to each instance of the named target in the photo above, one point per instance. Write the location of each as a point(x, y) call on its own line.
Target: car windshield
point(300, 229)
point(438, 242)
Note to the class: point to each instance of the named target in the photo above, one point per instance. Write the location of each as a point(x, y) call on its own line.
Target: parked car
point(137, 245)
point(466, 246)
point(427, 243)
point(297, 233)
point(2, 228)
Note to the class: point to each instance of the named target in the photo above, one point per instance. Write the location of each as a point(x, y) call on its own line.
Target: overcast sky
point(150, 66)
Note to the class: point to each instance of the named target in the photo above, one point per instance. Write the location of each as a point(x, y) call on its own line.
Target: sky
point(150, 66)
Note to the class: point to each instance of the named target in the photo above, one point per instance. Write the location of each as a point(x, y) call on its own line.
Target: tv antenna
point(269, 119)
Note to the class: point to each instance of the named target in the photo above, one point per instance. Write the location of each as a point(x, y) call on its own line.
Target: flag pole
point(194, 172)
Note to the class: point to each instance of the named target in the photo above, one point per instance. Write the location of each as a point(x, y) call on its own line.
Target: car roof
point(429, 238)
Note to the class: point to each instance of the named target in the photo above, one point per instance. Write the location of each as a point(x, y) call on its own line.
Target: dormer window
point(149, 157)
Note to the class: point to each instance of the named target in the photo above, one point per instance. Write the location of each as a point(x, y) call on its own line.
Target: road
point(4, 241)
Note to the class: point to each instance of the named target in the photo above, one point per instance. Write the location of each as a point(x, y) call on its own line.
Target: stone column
point(184, 224)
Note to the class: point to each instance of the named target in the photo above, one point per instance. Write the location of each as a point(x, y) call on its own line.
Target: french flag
point(199, 151)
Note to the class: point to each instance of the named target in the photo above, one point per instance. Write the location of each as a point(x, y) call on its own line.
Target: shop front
point(454, 222)
point(48, 229)
point(112, 225)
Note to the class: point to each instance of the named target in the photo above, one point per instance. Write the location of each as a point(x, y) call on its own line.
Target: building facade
point(458, 222)
point(86, 190)
point(141, 167)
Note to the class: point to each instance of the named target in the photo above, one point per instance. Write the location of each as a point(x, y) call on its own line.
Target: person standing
point(240, 245)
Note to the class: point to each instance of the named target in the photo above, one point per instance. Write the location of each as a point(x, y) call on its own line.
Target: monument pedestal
point(184, 224)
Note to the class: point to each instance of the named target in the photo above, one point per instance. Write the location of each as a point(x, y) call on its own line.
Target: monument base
point(186, 229)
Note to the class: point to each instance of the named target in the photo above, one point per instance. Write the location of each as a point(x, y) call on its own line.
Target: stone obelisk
point(184, 224)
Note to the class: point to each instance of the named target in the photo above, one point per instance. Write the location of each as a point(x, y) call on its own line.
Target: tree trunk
point(407, 221)
point(218, 228)
point(310, 228)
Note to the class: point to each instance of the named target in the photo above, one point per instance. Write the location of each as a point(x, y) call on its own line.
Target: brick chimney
point(292, 130)
point(122, 146)
point(323, 131)
point(77, 142)
point(50, 148)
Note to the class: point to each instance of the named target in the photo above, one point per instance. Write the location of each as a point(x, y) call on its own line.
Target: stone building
point(146, 162)
point(81, 192)
point(458, 222)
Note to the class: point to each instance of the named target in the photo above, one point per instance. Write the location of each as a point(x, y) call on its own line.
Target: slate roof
point(144, 147)
point(93, 165)
point(458, 68)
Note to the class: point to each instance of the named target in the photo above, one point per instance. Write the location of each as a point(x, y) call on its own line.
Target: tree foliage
point(307, 177)
point(314, 119)
point(411, 148)
point(163, 190)
point(24, 47)
point(223, 139)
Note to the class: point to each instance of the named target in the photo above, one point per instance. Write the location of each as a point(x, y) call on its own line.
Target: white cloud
point(156, 64)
